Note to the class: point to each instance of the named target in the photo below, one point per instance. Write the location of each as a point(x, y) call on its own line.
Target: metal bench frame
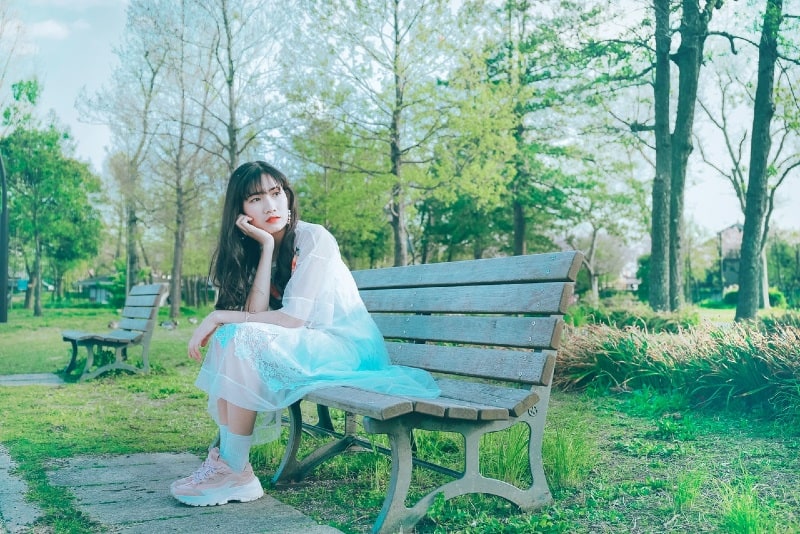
point(489, 330)
point(138, 320)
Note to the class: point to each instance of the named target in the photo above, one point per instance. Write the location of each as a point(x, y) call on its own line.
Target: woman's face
point(268, 208)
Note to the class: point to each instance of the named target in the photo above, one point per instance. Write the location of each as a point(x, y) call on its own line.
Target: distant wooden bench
point(489, 330)
point(135, 327)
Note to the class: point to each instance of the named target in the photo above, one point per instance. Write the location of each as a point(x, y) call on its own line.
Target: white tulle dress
point(265, 367)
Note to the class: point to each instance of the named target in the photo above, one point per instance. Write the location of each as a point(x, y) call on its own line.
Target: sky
point(69, 47)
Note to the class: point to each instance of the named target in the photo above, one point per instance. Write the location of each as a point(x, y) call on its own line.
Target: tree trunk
point(660, 231)
point(757, 184)
point(764, 281)
point(5, 291)
point(693, 31)
point(398, 227)
point(132, 263)
point(36, 279)
point(520, 246)
point(177, 261)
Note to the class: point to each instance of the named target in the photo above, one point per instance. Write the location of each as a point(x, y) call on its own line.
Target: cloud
point(81, 24)
point(49, 29)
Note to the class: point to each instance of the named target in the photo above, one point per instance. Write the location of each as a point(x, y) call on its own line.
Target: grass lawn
point(617, 462)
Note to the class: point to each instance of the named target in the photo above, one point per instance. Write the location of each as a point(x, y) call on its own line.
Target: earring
point(288, 217)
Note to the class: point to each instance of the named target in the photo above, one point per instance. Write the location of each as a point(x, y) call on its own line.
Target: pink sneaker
point(212, 453)
point(216, 483)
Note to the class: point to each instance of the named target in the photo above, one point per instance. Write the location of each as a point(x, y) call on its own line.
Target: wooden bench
point(135, 327)
point(489, 331)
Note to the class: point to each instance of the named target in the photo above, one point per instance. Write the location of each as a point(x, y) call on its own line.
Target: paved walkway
point(39, 379)
point(130, 494)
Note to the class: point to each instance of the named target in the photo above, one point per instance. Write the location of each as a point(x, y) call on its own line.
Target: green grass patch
point(618, 458)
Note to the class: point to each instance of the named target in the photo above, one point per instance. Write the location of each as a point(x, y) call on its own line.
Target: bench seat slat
point(528, 332)
point(369, 403)
point(516, 401)
point(543, 298)
point(562, 266)
point(121, 336)
point(459, 409)
point(77, 335)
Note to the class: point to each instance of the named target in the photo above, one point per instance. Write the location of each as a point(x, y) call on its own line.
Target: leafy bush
point(624, 314)
point(742, 365)
point(776, 298)
point(771, 323)
point(715, 304)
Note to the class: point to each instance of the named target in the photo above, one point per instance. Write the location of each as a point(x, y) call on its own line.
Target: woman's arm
point(258, 299)
point(217, 318)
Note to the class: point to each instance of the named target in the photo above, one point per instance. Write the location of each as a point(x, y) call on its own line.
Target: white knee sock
point(223, 436)
point(237, 451)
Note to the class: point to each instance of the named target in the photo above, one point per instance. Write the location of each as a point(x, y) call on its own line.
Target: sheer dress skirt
point(265, 368)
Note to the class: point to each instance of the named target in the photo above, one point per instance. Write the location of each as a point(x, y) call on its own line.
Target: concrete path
point(130, 494)
point(38, 379)
point(16, 514)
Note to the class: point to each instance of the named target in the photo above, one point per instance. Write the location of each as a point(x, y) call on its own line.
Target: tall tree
point(694, 29)
point(9, 36)
point(753, 237)
point(733, 98)
point(127, 108)
point(180, 164)
point(659, 282)
point(532, 58)
point(49, 194)
point(243, 37)
point(373, 68)
point(632, 64)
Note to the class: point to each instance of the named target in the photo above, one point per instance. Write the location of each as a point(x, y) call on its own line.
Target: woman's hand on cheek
point(243, 222)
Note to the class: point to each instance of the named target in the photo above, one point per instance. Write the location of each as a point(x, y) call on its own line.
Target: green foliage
point(625, 313)
point(686, 489)
point(714, 304)
point(738, 366)
point(643, 274)
point(776, 322)
point(743, 510)
point(50, 194)
point(776, 298)
point(569, 453)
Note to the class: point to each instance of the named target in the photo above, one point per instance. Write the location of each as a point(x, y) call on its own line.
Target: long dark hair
point(234, 263)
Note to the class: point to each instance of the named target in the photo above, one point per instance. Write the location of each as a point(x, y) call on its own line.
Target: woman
point(288, 319)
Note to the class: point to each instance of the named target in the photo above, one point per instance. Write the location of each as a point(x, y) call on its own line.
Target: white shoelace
point(203, 472)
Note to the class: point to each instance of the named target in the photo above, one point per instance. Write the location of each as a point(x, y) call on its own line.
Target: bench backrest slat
point(495, 319)
point(527, 332)
point(141, 312)
point(140, 325)
point(543, 298)
point(561, 266)
point(512, 365)
point(141, 307)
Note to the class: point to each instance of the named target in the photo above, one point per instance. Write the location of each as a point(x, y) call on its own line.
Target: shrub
point(742, 365)
point(623, 314)
point(771, 323)
point(776, 298)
